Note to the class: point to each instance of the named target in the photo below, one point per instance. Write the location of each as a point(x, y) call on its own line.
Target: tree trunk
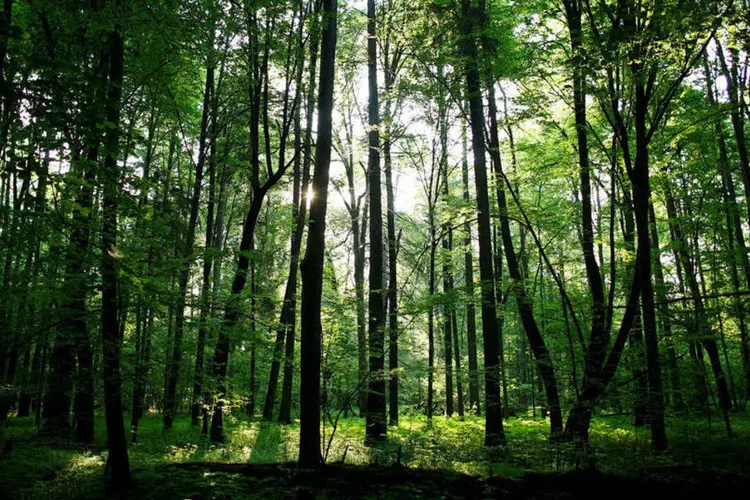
point(471, 328)
point(470, 21)
point(445, 255)
point(73, 338)
point(392, 256)
point(730, 71)
point(639, 177)
point(376, 418)
point(285, 408)
point(734, 230)
point(312, 265)
point(208, 253)
point(117, 461)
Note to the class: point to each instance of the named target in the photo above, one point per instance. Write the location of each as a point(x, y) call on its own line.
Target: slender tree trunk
point(231, 315)
point(734, 230)
point(637, 361)
point(731, 76)
point(312, 265)
point(285, 408)
point(73, 338)
point(144, 312)
point(431, 320)
point(208, 253)
point(376, 418)
point(471, 18)
point(471, 328)
point(393, 332)
point(639, 177)
point(445, 256)
point(117, 461)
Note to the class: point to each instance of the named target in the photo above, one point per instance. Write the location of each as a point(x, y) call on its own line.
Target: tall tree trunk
point(594, 355)
point(73, 338)
point(471, 18)
point(117, 461)
point(285, 408)
point(312, 265)
point(445, 257)
point(392, 254)
point(639, 178)
point(208, 253)
point(144, 312)
point(376, 419)
point(471, 328)
point(287, 317)
point(637, 365)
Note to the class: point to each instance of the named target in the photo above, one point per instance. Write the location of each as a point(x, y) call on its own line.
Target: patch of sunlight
point(85, 461)
point(181, 453)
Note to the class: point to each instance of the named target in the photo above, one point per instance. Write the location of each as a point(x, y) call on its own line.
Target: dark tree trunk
point(637, 353)
point(72, 338)
point(393, 332)
point(471, 328)
point(376, 418)
point(731, 75)
point(288, 308)
point(231, 315)
point(285, 408)
point(144, 312)
point(312, 265)
point(445, 255)
point(594, 355)
point(117, 461)
point(208, 254)
point(639, 177)
point(471, 18)
point(431, 321)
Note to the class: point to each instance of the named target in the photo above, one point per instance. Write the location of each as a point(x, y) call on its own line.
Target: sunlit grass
point(43, 469)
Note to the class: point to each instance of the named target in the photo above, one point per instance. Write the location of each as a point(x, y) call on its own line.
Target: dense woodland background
point(388, 219)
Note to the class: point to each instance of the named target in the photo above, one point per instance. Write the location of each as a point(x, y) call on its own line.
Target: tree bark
point(376, 407)
point(471, 16)
point(312, 265)
point(117, 462)
point(471, 328)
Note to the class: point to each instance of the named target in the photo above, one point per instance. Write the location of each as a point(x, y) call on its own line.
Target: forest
point(374, 248)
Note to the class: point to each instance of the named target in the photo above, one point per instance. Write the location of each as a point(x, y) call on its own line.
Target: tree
point(312, 265)
point(471, 16)
point(376, 419)
point(117, 461)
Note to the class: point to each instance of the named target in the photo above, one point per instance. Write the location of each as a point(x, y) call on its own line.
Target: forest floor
point(442, 460)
